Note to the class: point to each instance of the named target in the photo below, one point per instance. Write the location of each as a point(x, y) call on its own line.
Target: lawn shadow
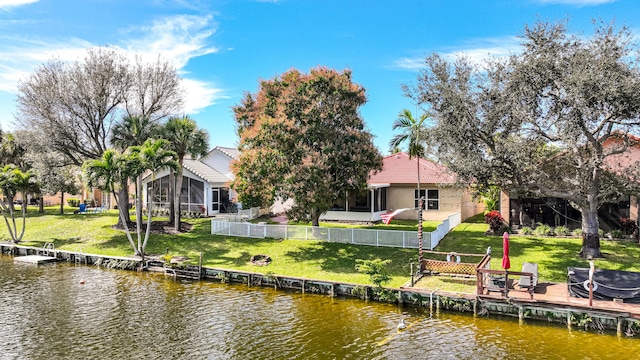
point(341, 258)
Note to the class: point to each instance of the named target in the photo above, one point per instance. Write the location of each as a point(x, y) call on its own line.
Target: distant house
point(205, 185)
point(394, 187)
point(558, 212)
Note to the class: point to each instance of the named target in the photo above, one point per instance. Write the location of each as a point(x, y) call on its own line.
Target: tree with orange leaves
point(302, 138)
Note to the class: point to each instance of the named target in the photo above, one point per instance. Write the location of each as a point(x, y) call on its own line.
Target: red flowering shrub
point(628, 226)
point(495, 220)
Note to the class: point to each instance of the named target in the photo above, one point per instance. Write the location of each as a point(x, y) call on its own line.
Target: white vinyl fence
point(391, 238)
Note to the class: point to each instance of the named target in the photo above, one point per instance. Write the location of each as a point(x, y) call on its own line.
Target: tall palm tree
point(131, 131)
point(185, 138)
point(414, 133)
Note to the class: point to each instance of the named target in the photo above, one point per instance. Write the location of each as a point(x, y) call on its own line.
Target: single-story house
point(205, 184)
point(395, 187)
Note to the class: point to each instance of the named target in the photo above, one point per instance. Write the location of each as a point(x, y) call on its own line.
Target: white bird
point(402, 325)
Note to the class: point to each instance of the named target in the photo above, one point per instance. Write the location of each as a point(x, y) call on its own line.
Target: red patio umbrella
point(506, 264)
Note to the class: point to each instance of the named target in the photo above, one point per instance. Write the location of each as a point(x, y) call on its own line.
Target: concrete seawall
point(623, 323)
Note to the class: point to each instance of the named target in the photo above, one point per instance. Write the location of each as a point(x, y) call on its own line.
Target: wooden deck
point(558, 294)
point(35, 259)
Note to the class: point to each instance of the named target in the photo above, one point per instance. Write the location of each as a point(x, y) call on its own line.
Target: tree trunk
point(61, 202)
point(172, 200)
point(176, 195)
point(41, 206)
point(123, 206)
point(139, 211)
point(590, 237)
point(315, 217)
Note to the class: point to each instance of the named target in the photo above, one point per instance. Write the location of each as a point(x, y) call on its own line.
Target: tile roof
point(230, 152)
point(399, 169)
point(205, 172)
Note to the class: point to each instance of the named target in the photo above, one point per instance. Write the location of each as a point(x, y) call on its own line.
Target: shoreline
point(574, 315)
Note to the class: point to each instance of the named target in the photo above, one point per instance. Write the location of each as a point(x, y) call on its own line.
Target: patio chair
point(525, 281)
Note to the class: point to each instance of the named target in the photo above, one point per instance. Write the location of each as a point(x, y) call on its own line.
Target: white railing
point(391, 238)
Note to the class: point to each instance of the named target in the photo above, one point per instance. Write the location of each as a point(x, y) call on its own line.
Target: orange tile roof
point(399, 169)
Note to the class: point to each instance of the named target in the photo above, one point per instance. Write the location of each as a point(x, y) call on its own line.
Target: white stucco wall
point(220, 162)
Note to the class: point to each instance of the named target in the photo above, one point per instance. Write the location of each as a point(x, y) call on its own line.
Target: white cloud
point(14, 3)
point(17, 61)
point(409, 63)
point(178, 38)
point(199, 95)
point(477, 51)
point(577, 2)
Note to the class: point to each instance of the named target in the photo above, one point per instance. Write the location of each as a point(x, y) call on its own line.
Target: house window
point(431, 199)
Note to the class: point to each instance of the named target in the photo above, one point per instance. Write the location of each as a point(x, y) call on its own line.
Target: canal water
point(48, 314)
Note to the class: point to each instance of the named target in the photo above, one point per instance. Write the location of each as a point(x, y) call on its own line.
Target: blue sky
point(224, 48)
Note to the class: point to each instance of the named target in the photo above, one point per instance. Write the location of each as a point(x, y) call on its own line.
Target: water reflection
point(118, 314)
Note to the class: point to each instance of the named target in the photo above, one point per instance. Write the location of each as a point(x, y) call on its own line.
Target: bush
point(577, 232)
point(495, 221)
point(543, 230)
point(73, 202)
point(628, 226)
point(562, 231)
point(616, 234)
point(600, 233)
point(526, 230)
point(376, 269)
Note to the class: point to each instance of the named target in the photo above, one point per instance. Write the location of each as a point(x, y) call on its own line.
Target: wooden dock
point(35, 259)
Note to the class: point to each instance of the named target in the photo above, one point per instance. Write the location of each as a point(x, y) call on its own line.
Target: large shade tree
point(71, 107)
point(538, 123)
point(185, 138)
point(302, 138)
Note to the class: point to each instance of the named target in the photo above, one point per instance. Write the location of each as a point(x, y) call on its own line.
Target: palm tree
point(153, 156)
point(185, 138)
point(130, 131)
point(414, 133)
point(13, 181)
point(106, 174)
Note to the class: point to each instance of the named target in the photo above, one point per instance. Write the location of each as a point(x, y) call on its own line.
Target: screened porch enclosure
point(366, 205)
point(195, 196)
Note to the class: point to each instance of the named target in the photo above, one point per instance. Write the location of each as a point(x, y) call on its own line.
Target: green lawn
point(553, 254)
point(93, 233)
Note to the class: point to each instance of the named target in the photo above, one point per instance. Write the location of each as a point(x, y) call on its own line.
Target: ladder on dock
point(79, 257)
point(48, 250)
